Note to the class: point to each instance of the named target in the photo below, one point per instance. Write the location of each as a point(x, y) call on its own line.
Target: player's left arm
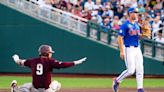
point(59, 64)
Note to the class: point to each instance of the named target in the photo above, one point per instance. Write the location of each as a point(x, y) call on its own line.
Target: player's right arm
point(120, 44)
point(18, 60)
point(120, 41)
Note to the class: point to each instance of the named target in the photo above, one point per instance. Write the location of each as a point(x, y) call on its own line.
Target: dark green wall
point(23, 35)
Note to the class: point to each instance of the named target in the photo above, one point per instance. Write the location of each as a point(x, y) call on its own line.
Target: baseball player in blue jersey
point(130, 51)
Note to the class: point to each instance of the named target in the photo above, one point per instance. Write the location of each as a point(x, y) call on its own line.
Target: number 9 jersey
point(42, 69)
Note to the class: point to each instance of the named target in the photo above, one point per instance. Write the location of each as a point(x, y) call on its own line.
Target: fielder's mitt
point(146, 32)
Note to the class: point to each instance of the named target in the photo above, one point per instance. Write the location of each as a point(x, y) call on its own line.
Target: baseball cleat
point(115, 85)
point(140, 90)
point(14, 86)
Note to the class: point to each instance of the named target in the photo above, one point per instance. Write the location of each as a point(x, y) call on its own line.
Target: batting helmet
point(45, 49)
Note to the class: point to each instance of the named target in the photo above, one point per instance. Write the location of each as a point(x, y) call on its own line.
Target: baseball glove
point(146, 32)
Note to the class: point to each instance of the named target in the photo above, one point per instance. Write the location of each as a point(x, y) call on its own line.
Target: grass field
point(84, 82)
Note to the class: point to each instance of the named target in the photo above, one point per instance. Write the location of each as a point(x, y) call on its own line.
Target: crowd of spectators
point(112, 13)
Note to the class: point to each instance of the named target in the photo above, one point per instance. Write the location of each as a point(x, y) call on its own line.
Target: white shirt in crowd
point(89, 6)
point(42, 4)
point(74, 2)
point(161, 40)
point(132, 3)
point(156, 25)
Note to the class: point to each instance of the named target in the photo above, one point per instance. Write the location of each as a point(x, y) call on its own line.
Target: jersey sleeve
point(27, 63)
point(56, 64)
point(123, 30)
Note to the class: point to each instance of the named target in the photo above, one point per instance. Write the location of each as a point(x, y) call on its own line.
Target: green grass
point(84, 82)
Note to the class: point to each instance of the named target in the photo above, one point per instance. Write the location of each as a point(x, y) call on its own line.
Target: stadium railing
point(82, 26)
point(52, 16)
point(154, 33)
point(149, 47)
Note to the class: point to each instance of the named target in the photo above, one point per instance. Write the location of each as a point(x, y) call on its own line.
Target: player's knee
point(131, 72)
point(55, 85)
point(24, 89)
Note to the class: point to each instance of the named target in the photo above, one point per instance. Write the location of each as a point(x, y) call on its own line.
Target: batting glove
point(15, 57)
point(80, 61)
point(17, 60)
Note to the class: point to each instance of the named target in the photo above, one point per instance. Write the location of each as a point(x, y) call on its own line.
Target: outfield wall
point(23, 35)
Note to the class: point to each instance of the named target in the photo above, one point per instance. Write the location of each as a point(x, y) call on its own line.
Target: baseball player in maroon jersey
point(41, 68)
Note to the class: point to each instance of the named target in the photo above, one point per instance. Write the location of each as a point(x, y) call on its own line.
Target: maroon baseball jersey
point(42, 68)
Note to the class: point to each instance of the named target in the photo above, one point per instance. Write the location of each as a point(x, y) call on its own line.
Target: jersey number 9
point(39, 69)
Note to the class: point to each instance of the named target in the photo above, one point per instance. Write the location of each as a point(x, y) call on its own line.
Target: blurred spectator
point(152, 3)
point(146, 15)
point(106, 25)
point(69, 7)
point(114, 3)
point(97, 5)
point(126, 3)
point(76, 11)
point(134, 3)
point(152, 13)
point(160, 38)
point(104, 1)
point(74, 2)
point(107, 12)
point(94, 19)
point(89, 5)
point(158, 5)
point(46, 4)
point(119, 12)
point(108, 4)
point(142, 2)
point(146, 28)
point(60, 4)
point(147, 8)
point(100, 11)
point(96, 16)
point(140, 19)
point(162, 16)
point(155, 25)
point(79, 2)
point(141, 9)
point(124, 18)
point(87, 14)
point(115, 23)
point(129, 3)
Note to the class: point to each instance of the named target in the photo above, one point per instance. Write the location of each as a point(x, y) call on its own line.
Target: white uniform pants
point(28, 87)
point(134, 63)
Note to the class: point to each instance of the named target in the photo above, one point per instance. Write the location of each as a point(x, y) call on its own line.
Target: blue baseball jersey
point(130, 33)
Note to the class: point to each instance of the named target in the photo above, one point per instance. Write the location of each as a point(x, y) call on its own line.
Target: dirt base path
point(101, 90)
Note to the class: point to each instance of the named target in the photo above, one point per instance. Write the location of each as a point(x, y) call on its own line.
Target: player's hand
point(18, 60)
point(122, 56)
point(15, 57)
point(80, 61)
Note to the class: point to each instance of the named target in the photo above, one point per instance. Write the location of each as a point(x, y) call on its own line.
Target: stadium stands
point(100, 11)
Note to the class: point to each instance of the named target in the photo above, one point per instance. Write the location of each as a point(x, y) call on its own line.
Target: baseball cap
point(45, 49)
point(131, 10)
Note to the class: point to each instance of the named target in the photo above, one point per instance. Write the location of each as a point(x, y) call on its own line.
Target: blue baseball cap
point(131, 10)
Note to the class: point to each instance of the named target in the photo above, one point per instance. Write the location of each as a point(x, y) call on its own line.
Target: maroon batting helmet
point(45, 49)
